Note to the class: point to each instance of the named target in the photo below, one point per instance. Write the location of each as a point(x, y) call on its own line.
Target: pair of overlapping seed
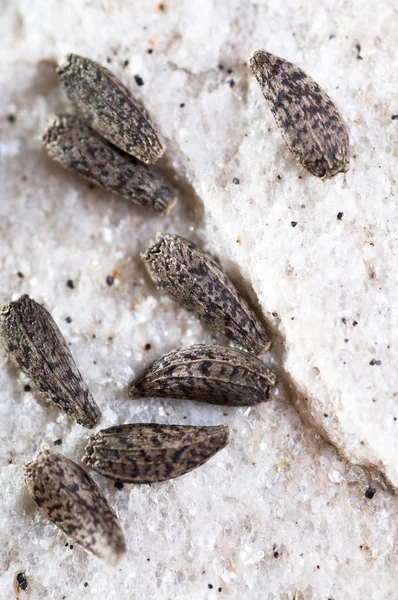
point(113, 131)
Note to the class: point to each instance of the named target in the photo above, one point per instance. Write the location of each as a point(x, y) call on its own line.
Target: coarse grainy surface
point(75, 146)
point(195, 281)
point(151, 452)
point(33, 339)
point(110, 108)
point(311, 125)
point(277, 514)
point(69, 498)
point(214, 374)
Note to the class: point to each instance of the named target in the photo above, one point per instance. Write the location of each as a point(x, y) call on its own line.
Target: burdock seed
point(70, 499)
point(110, 108)
point(149, 452)
point(32, 338)
point(77, 147)
point(196, 282)
point(310, 123)
point(214, 374)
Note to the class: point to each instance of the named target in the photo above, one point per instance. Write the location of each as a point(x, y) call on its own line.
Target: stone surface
point(279, 513)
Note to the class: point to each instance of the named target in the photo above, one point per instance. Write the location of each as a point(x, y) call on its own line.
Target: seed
point(68, 497)
point(33, 339)
point(77, 147)
point(149, 452)
point(214, 374)
point(196, 282)
point(110, 108)
point(310, 123)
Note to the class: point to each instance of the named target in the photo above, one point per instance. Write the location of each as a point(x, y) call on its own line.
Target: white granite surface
point(279, 514)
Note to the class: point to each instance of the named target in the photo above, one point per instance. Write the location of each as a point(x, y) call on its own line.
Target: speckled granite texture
point(280, 513)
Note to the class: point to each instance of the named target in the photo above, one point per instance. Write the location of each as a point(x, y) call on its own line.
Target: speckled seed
point(148, 452)
point(310, 123)
point(110, 108)
point(79, 148)
point(33, 339)
point(71, 500)
point(214, 374)
point(196, 282)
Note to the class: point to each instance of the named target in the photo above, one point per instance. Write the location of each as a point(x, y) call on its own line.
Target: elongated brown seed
point(70, 499)
point(310, 123)
point(196, 282)
point(148, 452)
point(77, 147)
point(214, 374)
point(110, 108)
point(33, 339)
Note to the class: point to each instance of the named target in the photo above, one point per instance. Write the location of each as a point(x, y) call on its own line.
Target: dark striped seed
point(70, 499)
point(77, 147)
point(310, 123)
point(149, 452)
point(110, 108)
point(214, 374)
point(196, 282)
point(32, 338)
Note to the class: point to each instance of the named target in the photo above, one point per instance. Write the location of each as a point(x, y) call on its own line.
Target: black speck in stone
point(27, 388)
point(235, 181)
point(220, 589)
point(150, 50)
point(20, 274)
point(182, 104)
point(147, 346)
point(85, 584)
point(370, 492)
point(138, 80)
point(108, 60)
point(70, 284)
point(354, 323)
point(22, 581)
point(293, 223)
point(119, 485)
point(358, 49)
point(279, 177)
point(394, 117)
point(57, 442)
point(71, 547)
point(325, 414)
point(231, 82)
point(126, 63)
point(344, 320)
point(276, 554)
point(374, 362)
point(110, 280)
point(346, 340)
point(68, 319)
point(340, 216)
point(274, 314)
point(148, 559)
point(331, 36)
point(11, 118)
point(221, 67)
point(210, 586)
point(229, 71)
point(374, 399)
